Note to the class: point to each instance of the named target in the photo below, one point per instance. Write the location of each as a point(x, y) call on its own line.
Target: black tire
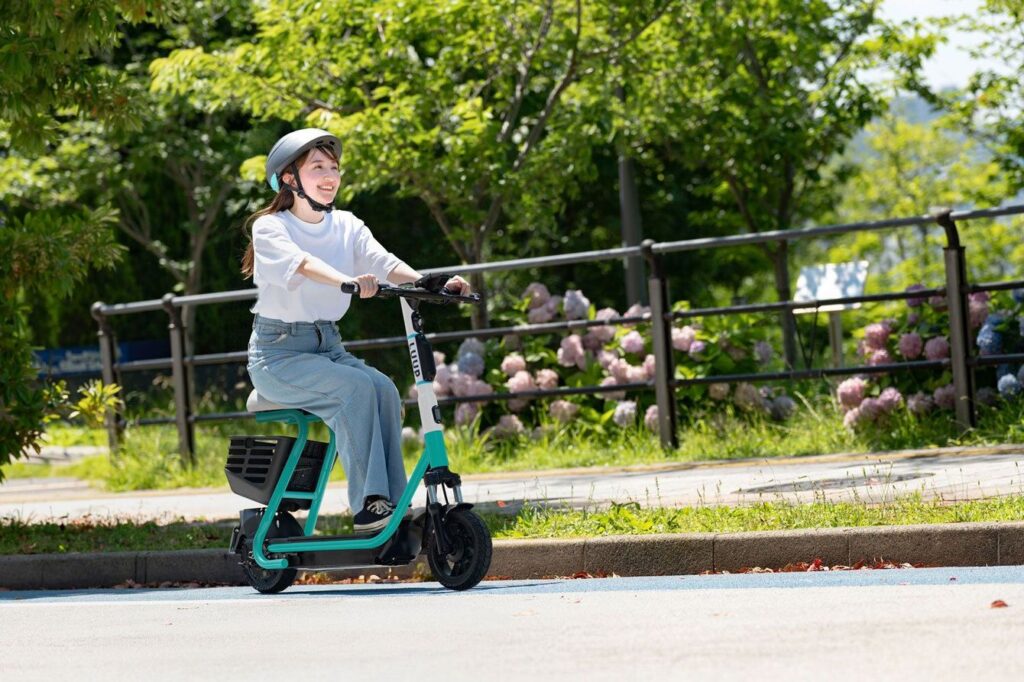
point(470, 558)
point(271, 581)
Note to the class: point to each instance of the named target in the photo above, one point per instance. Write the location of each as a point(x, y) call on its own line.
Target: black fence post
point(661, 334)
point(111, 419)
point(959, 345)
point(179, 377)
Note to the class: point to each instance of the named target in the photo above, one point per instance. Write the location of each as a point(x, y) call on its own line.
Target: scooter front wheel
point(470, 556)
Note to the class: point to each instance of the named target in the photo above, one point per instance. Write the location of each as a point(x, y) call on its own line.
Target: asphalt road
point(872, 478)
point(915, 624)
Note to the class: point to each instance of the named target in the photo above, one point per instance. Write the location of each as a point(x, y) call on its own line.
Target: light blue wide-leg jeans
point(304, 365)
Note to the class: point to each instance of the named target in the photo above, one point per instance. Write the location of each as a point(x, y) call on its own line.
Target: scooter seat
point(257, 403)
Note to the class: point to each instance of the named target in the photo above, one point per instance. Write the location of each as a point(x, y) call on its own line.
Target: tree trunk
point(780, 263)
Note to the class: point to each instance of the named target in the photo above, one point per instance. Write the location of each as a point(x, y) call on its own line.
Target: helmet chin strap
point(314, 204)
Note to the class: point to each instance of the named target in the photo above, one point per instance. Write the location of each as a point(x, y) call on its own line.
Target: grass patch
point(532, 522)
point(148, 458)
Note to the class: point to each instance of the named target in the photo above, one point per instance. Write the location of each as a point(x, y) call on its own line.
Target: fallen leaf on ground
point(999, 604)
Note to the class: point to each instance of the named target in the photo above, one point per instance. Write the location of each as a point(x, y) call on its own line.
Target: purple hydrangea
point(592, 342)
point(782, 408)
point(890, 399)
point(471, 364)
point(851, 392)
point(747, 397)
point(465, 413)
point(1018, 295)
point(911, 345)
point(651, 418)
point(936, 348)
point(979, 296)
point(625, 413)
point(871, 409)
point(539, 315)
point(697, 348)
point(508, 426)
point(1008, 386)
point(920, 403)
point(915, 301)
point(938, 302)
point(879, 357)
point(763, 352)
point(945, 397)
point(538, 294)
point(913, 319)
point(575, 305)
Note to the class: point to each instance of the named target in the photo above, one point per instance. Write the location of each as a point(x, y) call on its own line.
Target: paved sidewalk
point(948, 473)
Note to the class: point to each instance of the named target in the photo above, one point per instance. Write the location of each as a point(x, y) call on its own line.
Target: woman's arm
point(319, 271)
point(403, 274)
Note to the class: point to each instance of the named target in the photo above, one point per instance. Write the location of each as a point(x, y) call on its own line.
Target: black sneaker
point(375, 515)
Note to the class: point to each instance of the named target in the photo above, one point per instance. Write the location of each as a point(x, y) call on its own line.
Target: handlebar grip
point(350, 288)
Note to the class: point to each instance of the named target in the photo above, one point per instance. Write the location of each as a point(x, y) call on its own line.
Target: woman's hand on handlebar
point(367, 285)
point(457, 285)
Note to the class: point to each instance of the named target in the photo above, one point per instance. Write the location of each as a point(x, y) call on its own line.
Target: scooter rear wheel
point(470, 555)
point(271, 581)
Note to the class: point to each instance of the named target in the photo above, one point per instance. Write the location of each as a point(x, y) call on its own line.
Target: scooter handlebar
point(407, 291)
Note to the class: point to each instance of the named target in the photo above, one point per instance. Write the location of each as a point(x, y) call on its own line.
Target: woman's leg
point(345, 398)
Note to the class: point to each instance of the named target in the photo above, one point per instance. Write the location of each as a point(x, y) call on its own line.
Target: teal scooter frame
point(273, 546)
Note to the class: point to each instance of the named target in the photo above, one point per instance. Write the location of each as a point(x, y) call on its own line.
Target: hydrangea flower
point(979, 296)
point(546, 379)
point(465, 413)
point(697, 348)
point(870, 409)
point(636, 375)
point(852, 418)
point(442, 380)
point(913, 319)
point(620, 370)
point(651, 418)
point(636, 310)
point(936, 348)
point(576, 306)
point(1017, 295)
point(471, 364)
point(625, 413)
point(851, 392)
point(718, 391)
point(938, 302)
point(890, 399)
point(612, 395)
point(649, 365)
point(782, 408)
point(879, 357)
point(508, 425)
point(592, 342)
point(520, 382)
point(563, 410)
point(471, 345)
point(683, 338)
point(920, 403)
point(875, 336)
point(977, 311)
point(513, 362)
point(605, 358)
point(945, 397)
point(747, 397)
point(990, 341)
point(915, 301)
point(763, 352)
point(1008, 386)
point(910, 345)
point(538, 294)
point(605, 332)
point(539, 315)
point(571, 352)
point(633, 343)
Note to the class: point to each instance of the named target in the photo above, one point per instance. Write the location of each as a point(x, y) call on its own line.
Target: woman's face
point(319, 175)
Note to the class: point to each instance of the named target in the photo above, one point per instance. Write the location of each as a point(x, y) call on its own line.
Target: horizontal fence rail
point(956, 289)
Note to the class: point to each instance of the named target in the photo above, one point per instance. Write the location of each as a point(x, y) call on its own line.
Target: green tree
point(48, 71)
point(477, 109)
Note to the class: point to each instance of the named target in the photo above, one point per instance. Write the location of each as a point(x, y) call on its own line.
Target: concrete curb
point(962, 544)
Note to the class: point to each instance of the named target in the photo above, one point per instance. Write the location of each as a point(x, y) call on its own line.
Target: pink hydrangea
point(538, 294)
point(651, 418)
point(620, 370)
point(875, 336)
point(459, 382)
point(890, 399)
point(465, 413)
point(683, 338)
point(612, 395)
point(633, 342)
point(697, 348)
point(625, 413)
point(546, 379)
point(605, 332)
point(718, 391)
point(571, 352)
point(911, 345)
point(636, 375)
point(636, 310)
point(442, 380)
point(513, 362)
point(747, 397)
point(936, 348)
point(851, 392)
point(438, 358)
point(977, 311)
point(520, 382)
point(605, 358)
point(478, 387)
point(539, 315)
point(879, 357)
point(852, 418)
point(650, 367)
point(945, 397)
point(920, 403)
point(915, 301)
point(508, 425)
point(870, 409)
point(563, 411)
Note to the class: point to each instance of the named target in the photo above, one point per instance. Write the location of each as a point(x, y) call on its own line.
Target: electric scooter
point(289, 474)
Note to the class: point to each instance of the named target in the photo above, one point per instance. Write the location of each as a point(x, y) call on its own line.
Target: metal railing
point(956, 290)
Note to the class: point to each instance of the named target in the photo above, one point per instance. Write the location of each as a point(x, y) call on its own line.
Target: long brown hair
point(284, 200)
